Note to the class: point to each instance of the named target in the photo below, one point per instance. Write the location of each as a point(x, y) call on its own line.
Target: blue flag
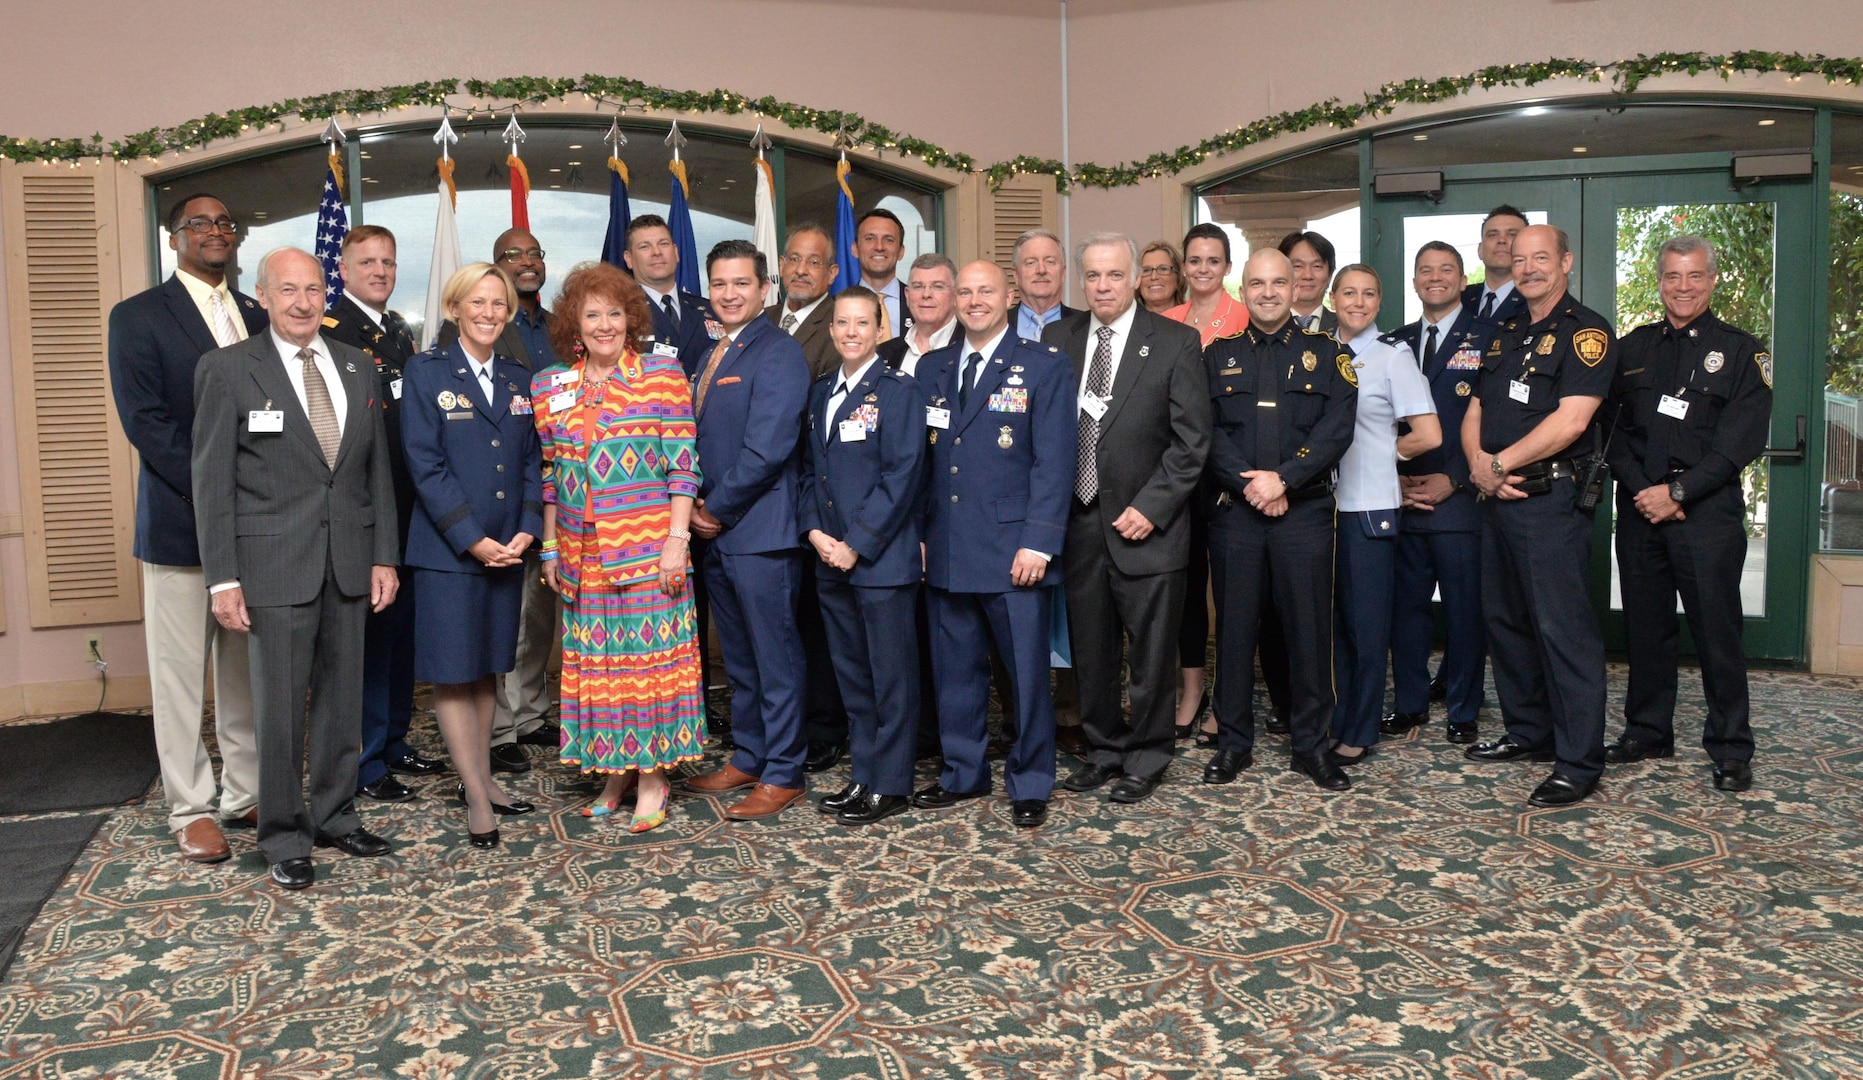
point(680, 224)
point(332, 226)
point(848, 262)
point(618, 215)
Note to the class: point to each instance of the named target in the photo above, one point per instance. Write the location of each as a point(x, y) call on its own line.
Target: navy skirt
point(466, 625)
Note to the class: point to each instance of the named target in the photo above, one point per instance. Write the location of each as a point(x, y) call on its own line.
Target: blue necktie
point(971, 364)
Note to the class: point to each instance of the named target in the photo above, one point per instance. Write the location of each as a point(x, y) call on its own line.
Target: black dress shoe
point(293, 873)
point(1733, 775)
point(548, 734)
point(1505, 749)
point(416, 764)
point(1439, 689)
point(823, 756)
point(937, 798)
point(1627, 749)
point(1225, 764)
point(1559, 790)
point(1322, 772)
point(1346, 761)
point(1072, 740)
point(842, 799)
point(1463, 731)
point(1400, 723)
point(1089, 776)
point(510, 757)
point(358, 842)
point(483, 839)
point(1131, 789)
point(1277, 724)
point(873, 807)
point(514, 808)
point(387, 789)
point(1028, 813)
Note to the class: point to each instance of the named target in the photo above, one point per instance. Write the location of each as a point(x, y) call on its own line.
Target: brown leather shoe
point(729, 778)
point(203, 842)
point(247, 820)
point(766, 800)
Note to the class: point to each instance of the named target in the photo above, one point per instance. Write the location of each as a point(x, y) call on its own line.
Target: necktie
point(671, 311)
point(1267, 420)
point(1306, 321)
point(224, 331)
point(711, 368)
point(1429, 349)
point(1099, 384)
point(971, 364)
point(485, 381)
point(886, 324)
point(789, 322)
point(397, 328)
point(834, 406)
point(322, 412)
point(1487, 306)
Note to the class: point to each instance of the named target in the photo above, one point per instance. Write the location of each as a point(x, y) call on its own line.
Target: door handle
point(1795, 453)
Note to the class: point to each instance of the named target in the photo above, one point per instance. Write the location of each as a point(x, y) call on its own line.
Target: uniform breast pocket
point(1012, 509)
point(1304, 407)
point(1233, 404)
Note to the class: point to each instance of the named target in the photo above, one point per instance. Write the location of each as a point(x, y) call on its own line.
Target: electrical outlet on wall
point(93, 650)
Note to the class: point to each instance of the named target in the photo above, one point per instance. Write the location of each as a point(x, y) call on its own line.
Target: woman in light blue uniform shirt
point(1391, 387)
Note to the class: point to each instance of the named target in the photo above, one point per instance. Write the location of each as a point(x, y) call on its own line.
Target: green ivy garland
point(855, 131)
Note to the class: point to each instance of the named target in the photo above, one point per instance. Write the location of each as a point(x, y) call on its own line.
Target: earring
point(579, 348)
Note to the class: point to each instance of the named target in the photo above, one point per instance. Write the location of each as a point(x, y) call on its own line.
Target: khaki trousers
point(179, 631)
point(522, 695)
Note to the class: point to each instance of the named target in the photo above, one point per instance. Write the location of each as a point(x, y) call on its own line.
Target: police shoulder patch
point(1346, 370)
point(1591, 344)
point(1765, 365)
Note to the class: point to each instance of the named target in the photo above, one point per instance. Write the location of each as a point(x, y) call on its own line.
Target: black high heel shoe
point(483, 839)
point(1203, 709)
point(513, 808)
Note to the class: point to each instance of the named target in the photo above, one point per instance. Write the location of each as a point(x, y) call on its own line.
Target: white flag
point(446, 263)
point(763, 231)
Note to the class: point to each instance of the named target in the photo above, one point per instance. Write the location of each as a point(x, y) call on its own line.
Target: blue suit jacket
point(750, 440)
point(1000, 481)
point(478, 471)
point(688, 335)
point(869, 493)
point(1515, 304)
point(156, 338)
point(1451, 373)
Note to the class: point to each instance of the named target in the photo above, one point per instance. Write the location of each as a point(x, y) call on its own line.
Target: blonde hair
point(467, 278)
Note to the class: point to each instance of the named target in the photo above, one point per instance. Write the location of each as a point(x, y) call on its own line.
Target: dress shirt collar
point(657, 299)
point(1500, 295)
point(374, 315)
point(988, 350)
point(802, 314)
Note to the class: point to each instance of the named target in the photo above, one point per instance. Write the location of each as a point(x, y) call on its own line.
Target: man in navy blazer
point(749, 399)
point(1000, 422)
point(1440, 542)
point(157, 337)
point(681, 319)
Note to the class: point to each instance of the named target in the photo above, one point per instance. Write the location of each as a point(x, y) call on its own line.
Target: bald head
point(982, 300)
point(1268, 289)
point(290, 288)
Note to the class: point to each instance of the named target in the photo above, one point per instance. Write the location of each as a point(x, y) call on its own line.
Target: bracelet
point(548, 545)
point(548, 556)
point(683, 534)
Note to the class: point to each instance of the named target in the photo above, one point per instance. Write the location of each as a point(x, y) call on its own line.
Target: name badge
point(564, 378)
point(521, 406)
point(936, 417)
point(564, 400)
point(1519, 391)
point(395, 389)
point(853, 431)
point(1093, 406)
point(1673, 406)
point(265, 420)
point(664, 349)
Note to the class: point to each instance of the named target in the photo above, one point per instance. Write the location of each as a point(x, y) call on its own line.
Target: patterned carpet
point(1423, 925)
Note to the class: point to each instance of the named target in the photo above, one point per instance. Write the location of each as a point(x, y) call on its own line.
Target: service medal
point(1547, 344)
point(934, 437)
point(446, 400)
point(1463, 389)
point(871, 398)
point(1712, 362)
point(1005, 437)
point(464, 403)
point(1309, 361)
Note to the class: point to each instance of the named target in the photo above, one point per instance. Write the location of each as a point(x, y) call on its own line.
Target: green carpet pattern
point(1426, 924)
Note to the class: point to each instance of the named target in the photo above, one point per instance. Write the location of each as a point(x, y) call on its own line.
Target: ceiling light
point(1580, 149)
point(1421, 138)
point(575, 146)
point(1767, 123)
point(369, 180)
point(556, 170)
point(1535, 110)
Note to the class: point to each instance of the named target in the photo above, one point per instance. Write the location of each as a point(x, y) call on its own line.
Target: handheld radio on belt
point(1594, 470)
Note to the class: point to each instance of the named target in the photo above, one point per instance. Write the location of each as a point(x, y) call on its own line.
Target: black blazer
point(352, 326)
point(1153, 438)
point(690, 334)
point(157, 337)
point(813, 335)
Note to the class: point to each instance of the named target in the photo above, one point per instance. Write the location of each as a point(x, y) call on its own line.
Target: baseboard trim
point(63, 698)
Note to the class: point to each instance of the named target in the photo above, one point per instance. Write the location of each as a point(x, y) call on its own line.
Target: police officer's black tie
point(1099, 385)
point(971, 364)
point(1267, 414)
point(1429, 350)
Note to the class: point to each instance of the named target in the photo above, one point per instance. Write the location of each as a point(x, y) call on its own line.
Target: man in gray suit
point(295, 507)
point(1144, 430)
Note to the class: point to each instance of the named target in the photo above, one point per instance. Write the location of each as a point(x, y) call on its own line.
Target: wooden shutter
point(76, 470)
point(1021, 204)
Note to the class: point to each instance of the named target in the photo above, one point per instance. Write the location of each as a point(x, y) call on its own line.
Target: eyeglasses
point(207, 225)
point(813, 262)
point(1156, 271)
point(514, 254)
point(928, 287)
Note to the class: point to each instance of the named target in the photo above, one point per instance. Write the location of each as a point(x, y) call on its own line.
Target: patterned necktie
point(1099, 384)
point(1487, 307)
point(1306, 321)
point(971, 364)
point(1429, 349)
point(224, 331)
point(711, 368)
point(789, 322)
point(322, 412)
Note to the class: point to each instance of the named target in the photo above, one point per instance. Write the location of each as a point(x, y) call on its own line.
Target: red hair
point(597, 281)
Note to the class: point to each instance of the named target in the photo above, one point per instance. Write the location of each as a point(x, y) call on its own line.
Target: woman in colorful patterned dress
point(620, 473)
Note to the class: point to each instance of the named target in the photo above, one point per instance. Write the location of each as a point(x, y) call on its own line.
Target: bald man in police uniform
point(1533, 420)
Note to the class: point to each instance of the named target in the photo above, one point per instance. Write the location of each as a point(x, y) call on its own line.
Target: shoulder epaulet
point(896, 373)
point(331, 321)
point(1395, 337)
point(1225, 337)
point(1311, 332)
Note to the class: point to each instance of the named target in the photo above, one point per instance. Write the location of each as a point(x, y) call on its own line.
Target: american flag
point(332, 226)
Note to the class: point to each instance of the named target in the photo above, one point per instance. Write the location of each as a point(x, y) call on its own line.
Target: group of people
point(889, 500)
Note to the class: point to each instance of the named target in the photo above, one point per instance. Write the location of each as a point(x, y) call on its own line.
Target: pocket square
point(728, 379)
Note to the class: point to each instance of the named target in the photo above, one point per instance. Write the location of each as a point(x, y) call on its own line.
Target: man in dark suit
point(879, 240)
point(1494, 299)
point(1144, 430)
point(156, 339)
point(1041, 280)
point(362, 319)
point(931, 301)
point(749, 400)
point(681, 319)
point(1314, 260)
point(1002, 465)
point(299, 543)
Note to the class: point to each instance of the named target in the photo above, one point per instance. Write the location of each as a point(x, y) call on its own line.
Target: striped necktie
point(224, 331)
point(322, 411)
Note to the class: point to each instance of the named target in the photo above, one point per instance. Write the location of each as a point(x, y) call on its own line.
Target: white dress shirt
point(909, 363)
point(1500, 296)
point(988, 348)
point(657, 299)
point(1122, 329)
point(374, 315)
point(802, 314)
point(890, 296)
point(1442, 333)
point(339, 399)
point(843, 385)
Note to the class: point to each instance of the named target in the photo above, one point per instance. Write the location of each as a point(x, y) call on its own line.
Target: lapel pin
point(347, 366)
point(1144, 350)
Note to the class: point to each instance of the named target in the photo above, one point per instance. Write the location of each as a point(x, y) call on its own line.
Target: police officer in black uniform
point(1284, 401)
point(1534, 420)
point(1695, 400)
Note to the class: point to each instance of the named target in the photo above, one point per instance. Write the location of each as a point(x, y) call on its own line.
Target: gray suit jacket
point(270, 513)
point(1153, 437)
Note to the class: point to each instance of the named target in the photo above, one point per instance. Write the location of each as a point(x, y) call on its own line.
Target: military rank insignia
point(1591, 344)
point(330, 321)
point(1765, 365)
point(1346, 370)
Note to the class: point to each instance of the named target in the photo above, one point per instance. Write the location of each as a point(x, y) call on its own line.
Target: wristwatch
point(1495, 464)
point(1677, 492)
